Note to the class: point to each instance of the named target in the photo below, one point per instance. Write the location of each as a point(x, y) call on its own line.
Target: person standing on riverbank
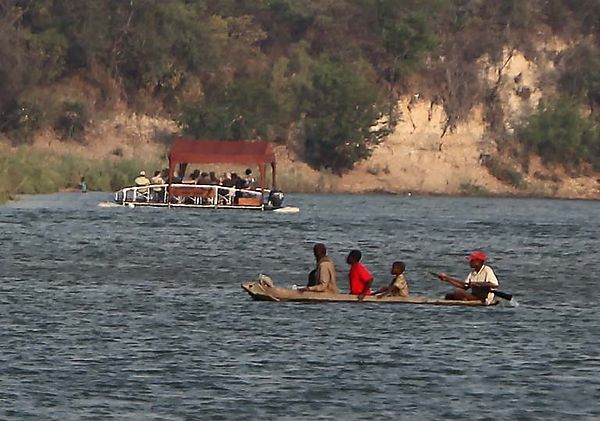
point(359, 277)
point(83, 185)
point(481, 280)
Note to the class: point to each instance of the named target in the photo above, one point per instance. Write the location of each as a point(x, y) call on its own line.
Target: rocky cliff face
point(421, 156)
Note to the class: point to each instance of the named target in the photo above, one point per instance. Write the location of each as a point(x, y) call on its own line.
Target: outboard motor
point(276, 198)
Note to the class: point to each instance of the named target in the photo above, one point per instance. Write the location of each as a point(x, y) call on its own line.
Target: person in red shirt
point(360, 278)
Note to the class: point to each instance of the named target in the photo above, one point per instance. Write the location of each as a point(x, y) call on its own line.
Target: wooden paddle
point(500, 294)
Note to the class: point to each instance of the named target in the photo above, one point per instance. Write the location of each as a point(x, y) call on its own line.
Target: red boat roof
point(221, 152)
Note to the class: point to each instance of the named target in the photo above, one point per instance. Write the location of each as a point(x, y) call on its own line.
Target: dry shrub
point(505, 172)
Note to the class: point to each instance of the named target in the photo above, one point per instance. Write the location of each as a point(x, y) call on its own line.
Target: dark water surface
point(117, 313)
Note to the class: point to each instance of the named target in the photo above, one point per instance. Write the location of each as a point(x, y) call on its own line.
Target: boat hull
point(263, 292)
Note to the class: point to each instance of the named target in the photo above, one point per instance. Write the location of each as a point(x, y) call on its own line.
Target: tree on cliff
point(561, 135)
point(341, 111)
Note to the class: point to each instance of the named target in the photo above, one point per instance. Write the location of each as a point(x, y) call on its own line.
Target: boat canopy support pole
point(170, 181)
point(263, 177)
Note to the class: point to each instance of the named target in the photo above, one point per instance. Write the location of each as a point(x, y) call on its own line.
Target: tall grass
point(27, 171)
point(294, 180)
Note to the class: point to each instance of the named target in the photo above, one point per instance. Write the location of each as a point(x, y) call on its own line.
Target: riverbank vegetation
point(561, 135)
point(23, 171)
point(321, 76)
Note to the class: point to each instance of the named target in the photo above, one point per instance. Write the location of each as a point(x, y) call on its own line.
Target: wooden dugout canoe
point(263, 292)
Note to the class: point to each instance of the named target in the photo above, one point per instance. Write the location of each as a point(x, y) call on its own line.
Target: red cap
point(478, 255)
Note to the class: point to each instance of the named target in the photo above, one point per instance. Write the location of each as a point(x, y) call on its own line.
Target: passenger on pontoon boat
point(359, 277)
point(192, 178)
point(141, 181)
point(227, 181)
point(399, 286)
point(213, 178)
point(156, 179)
point(249, 180)
point(325, 279)
point(238, 182)
point(203, 179)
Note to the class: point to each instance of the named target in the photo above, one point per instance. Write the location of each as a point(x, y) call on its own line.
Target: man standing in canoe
point(360, 278)
point(481, 280)
point(324, 273)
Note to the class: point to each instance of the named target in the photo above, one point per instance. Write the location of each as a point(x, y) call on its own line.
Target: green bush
point(579, 73)
point(245, 110)
point(342, 113)
point(558, 133)
point(20, 121)
point(72, 120)
point(406, 37)
point(469, 188)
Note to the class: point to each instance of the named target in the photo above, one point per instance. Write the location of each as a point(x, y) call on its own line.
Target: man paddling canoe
point(481, 280)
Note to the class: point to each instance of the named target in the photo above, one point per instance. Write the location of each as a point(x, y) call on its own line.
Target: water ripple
point(111, 313)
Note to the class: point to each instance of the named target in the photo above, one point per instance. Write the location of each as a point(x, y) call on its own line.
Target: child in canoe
point(398, 287)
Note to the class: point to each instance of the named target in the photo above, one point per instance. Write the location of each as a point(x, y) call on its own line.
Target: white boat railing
point(192, 195)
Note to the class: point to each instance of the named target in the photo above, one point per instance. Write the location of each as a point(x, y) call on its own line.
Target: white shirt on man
point(485, 274)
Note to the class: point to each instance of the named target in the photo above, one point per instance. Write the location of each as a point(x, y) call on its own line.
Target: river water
point(118, 313)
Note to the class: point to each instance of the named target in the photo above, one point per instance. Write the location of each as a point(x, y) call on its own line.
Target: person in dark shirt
point(238, 182)
point(203, 179)
point(228, 180)
point(312, 278)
